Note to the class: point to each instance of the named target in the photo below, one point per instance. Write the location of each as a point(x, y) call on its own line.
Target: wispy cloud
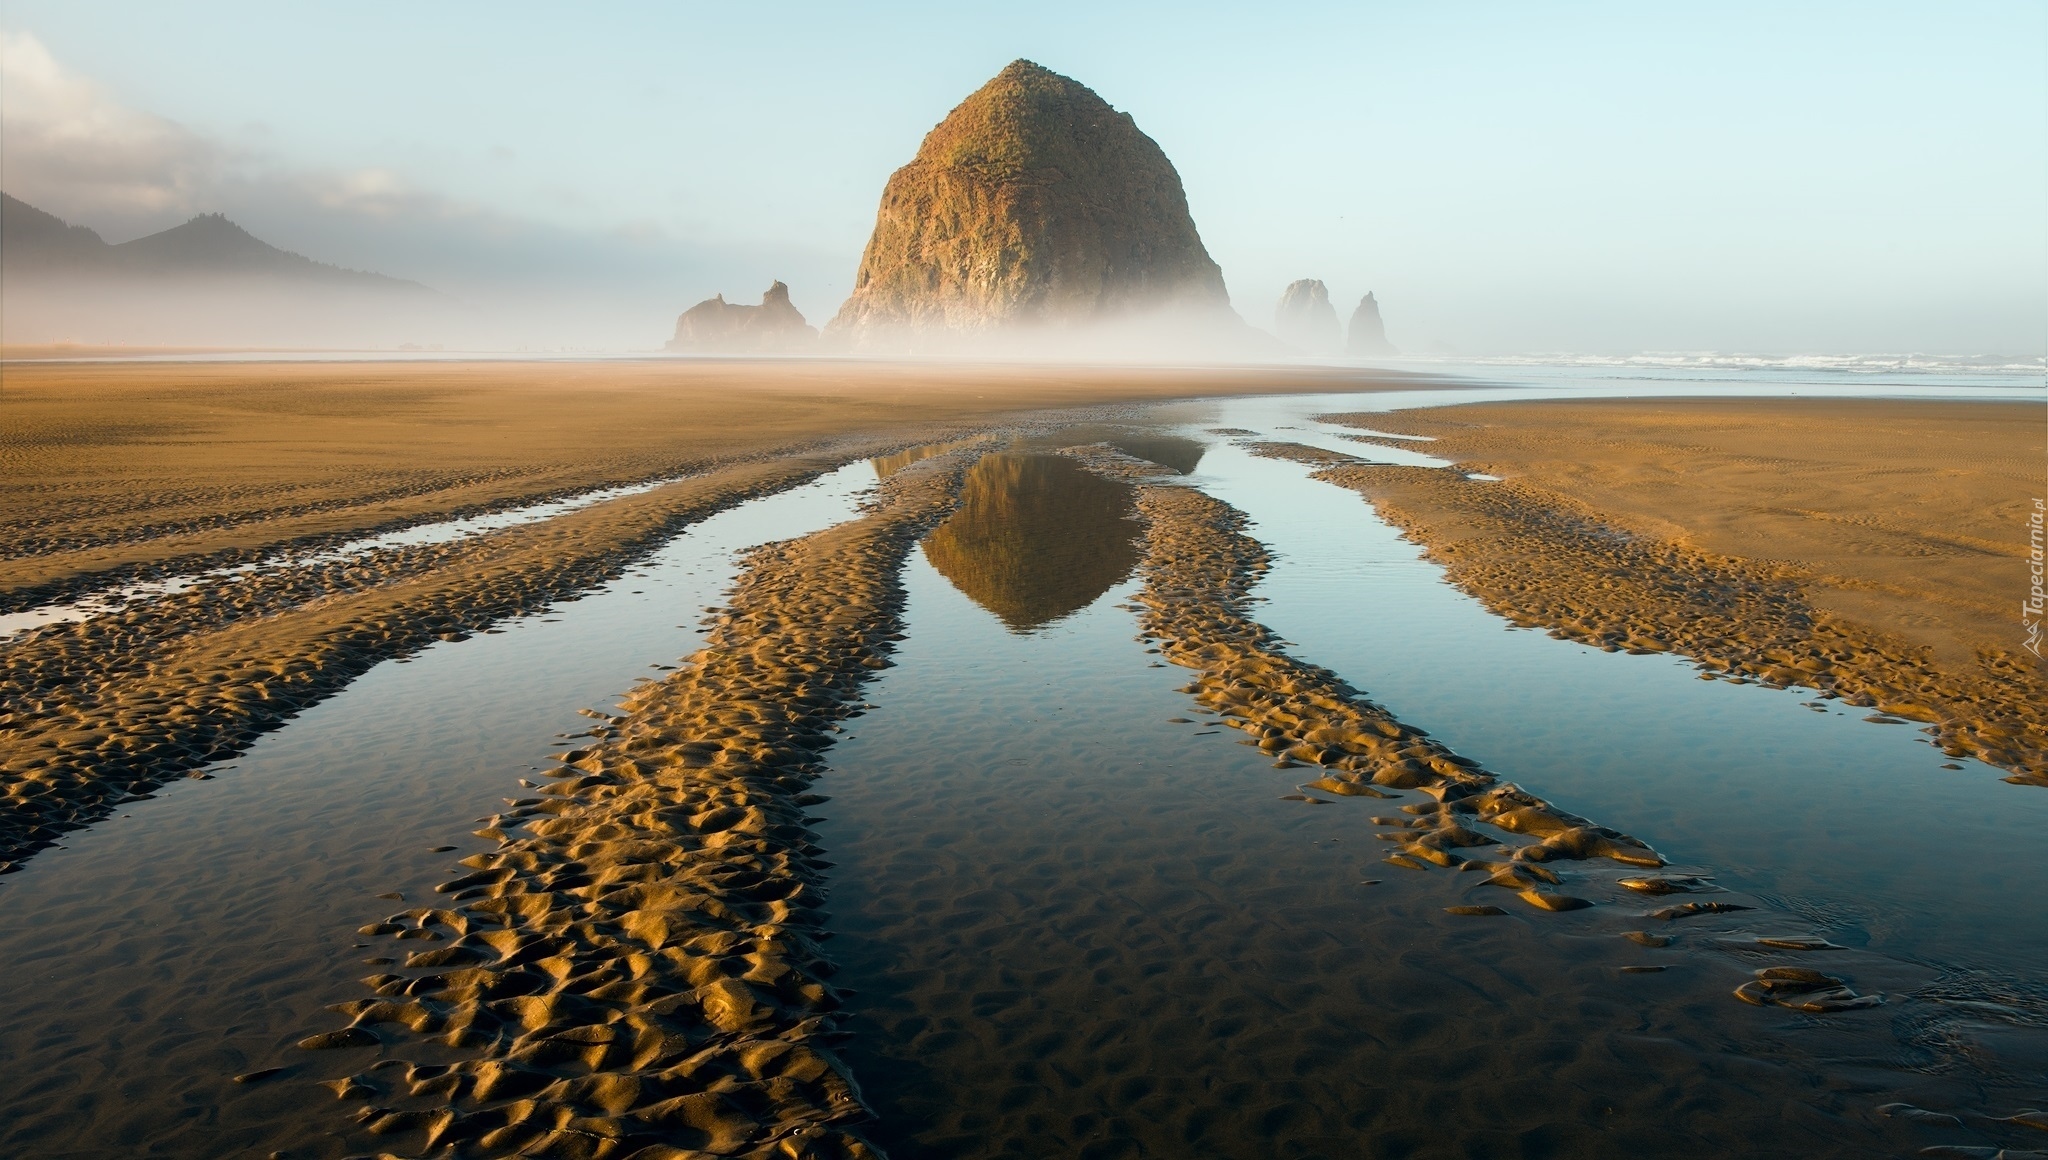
point(69, 141)
point(70, 146)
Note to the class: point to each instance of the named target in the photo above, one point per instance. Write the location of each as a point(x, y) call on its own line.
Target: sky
point(1506, 177)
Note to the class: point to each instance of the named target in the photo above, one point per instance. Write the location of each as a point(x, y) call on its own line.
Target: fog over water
point(1592, 179)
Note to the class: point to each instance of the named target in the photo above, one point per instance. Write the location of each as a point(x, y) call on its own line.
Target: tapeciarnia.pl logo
point(2037, 600)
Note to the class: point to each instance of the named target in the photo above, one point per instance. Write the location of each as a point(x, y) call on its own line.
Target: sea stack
point(715, 326)
point(1368, 333)
point(1034, 212)
point(1305, 319)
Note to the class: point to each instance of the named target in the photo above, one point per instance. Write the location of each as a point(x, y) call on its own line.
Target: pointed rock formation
point(715, 326)
point(1033, 206)
point(1305, 319)
point(1368, 333)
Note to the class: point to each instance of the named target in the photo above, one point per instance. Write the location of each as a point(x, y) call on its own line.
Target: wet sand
point(1073, 937)
point(638, 969)
point(1872, 550)
point(114, 470)
point(105, 710)
point(124, 470)
point(639, 972)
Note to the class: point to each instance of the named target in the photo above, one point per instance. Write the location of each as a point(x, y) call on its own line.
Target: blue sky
point(1507, 177)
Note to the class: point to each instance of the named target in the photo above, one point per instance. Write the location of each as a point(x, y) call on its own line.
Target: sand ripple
point(1199, 570)
point(1540, 561)
point(638, 972)
point(105, 710)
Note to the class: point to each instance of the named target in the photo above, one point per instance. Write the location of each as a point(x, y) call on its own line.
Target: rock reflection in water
point(888, 465)
point(1166, 450)
point(1035, 539)
point(1170, 451)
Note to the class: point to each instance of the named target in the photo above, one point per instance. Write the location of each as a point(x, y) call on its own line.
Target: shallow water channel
point(1078, 918)
point(99, 603)
point(1082, 921)
point(200, 934)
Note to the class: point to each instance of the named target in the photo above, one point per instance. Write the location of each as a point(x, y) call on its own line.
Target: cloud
point(71, 147)
point(70, 142)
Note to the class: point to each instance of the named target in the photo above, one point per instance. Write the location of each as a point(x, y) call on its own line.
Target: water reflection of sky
point(1049, 871)
point(1855, 819)
point(199, 933)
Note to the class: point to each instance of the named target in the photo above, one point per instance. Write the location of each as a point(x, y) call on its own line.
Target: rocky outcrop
point(1368, 333)
point(1305, 319)
point(1033, 207)
point(715, 326)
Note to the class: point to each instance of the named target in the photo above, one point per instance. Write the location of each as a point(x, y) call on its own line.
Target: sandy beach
point(114, 469)
point(636, 963)
point(140, 470)
point(1872, 548)
point(667, 583)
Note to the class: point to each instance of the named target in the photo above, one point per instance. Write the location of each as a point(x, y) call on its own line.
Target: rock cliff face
point(715, 326)
point(1305, 319)
point(1368, 333)
point(1033, 206)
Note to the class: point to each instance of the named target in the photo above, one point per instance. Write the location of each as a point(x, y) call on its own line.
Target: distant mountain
point(30, 237)
point(209, 246)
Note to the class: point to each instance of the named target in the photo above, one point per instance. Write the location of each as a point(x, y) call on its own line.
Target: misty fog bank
point(255, 311)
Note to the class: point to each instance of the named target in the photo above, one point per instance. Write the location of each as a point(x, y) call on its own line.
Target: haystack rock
point(1034, 207)
point(1368, 333)
point(1306, 320)
point(715, 326)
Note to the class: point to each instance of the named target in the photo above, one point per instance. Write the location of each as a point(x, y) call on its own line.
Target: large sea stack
point(1305, 319)
point(1368, 333)
point(715, 326)
point(1034, 213)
